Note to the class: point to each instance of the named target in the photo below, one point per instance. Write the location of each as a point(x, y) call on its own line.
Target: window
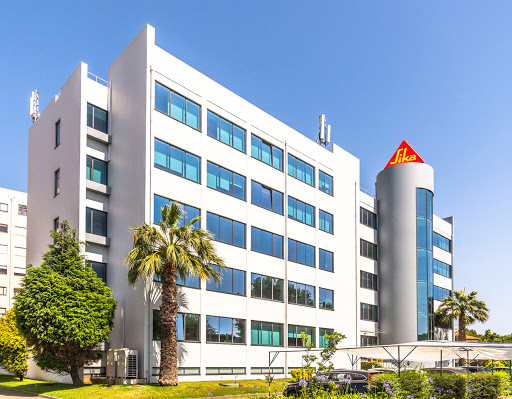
point(225, 329)
point(442, 268)
point(96, 222)
point(325, 182)
point(268, 334)
point(294, 338)
point(368, 218)
point(322, 341)
point(325, 221)
point(57, 134)
point(367, 340)
point(266, 287)
point(3, 291)
point(225, 181)
point(189, 211)
point(325, 260)
point(20, 271)
point(301, 253)
point(56, 183)
point(369, 280)
point(301, 294)
point(442, 242)
point(301, 170)
point(3, 249)
point(369, 312)
point(368, 249)
point(3, 228)
point(232, 281)
point(301, 211)
point(3, 269)
point(264, 370)
point(441, 293)
point(226, 230)
point(266, 152)
point(177, 107)
point(191, 282)
point(187, 326)
point(181, 371)
point(266, 242)
point(100, 269)
point(20, 251)
point(20, 231)
point(96, 170)
point(177, 162)
point(22, 210)
point(4, 207)
point(225, 370)
point(97, 118)
point(326, 298)
point(226, 132)
point(266, 197)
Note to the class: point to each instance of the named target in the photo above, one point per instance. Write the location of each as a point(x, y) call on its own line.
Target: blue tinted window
point(97, 118)
point(325, 221)
point(232, 281)
point(266, 197)
point(239, 234)
point(442, 242)
point(187, 326)
point(96, 170)
point(177, 107)
point(213, 126)
point(301, 211)
point(421, 232)
point(226, 230)
point(301, 294)
point(226, 132)
point(193, 282)
point(266, 242)
point(225, 181)
point(442, 268)
point(96, 222)
point(162, 157)
point(192, 167)
point(301, 253)
point(100, 269)
point(162, 98)
point(266, 333)
point(326, 259)
point(193, 115)
point(324, 182)
point(266, 152)
point(441, 293)
point(225, 329)
point(301, 170)
point(325, 298)
point(322, 342)
point(177, 161)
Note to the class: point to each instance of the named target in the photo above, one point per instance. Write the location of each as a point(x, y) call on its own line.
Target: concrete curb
point(33, 394)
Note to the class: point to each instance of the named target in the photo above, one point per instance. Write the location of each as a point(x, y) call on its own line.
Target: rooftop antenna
point(34, 105)
point(324, 132)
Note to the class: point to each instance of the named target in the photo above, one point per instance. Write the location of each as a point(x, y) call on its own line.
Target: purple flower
point(351, 389)
point(303, 383)
point(254, 387)
point(423, 383)
point(410, 397)
point(386, 386)
point(432, 397)
point(321, 378)
point(284, 383)
point(430, 380)
point(439, 389)
point(235, 382)
point(363, 395)
point(240, 386)
point(449, 391)
point(391, 393)
point(337, 385)
point(210, 394)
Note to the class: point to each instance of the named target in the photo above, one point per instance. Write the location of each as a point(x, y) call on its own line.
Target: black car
point(357, 380)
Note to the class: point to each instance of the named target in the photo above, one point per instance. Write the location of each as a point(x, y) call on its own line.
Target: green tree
point(467, 309)
point(167, 252)
point(63, 309)
point(13, 347)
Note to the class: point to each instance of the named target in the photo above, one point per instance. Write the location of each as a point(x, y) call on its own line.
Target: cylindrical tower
point(405, 202)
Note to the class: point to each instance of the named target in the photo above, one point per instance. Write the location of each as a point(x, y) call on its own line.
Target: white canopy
point(429, 351)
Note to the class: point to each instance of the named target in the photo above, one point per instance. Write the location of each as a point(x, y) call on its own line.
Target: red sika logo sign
point(404, 154)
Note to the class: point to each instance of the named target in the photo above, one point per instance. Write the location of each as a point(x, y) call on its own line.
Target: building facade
point(299, 237)
point(13, 244)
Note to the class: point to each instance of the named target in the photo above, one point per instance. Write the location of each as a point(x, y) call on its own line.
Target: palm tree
point(466, 308)
point(168, 252)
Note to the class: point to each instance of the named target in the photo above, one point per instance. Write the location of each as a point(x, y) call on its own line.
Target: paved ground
point(9, 394)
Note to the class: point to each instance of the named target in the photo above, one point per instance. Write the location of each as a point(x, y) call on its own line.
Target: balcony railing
point(97, 79)
point(367, 192)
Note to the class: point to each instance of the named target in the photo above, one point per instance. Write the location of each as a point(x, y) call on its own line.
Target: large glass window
point(442, 268)
point(177, 161)
point(301, 294)
point(96, 170)
point(441, 293)
point(187, 326)
point(266, 287)
point(369, 280)
point(325, 182)
point(368, 218)
point(294, 338)
point(226, 230)
point(226, 132)
point(263, 333)
point(301, 211)
point(225, 181)
point(442, 242)
point(95, 222)
point(325, 260)
point(367, 340)
point(301, 253)
point(325, 298)
point(190, 212)
point(266, 152)
point(322, 341)
point(225, 329)
point(325, 221)
point(266, 242)
point(177, 107)
point(369, 312)
point(100, 269)
point(301, 170)
point(97, 118)
point(232, 281)
point(368, 249)
point(266, 197)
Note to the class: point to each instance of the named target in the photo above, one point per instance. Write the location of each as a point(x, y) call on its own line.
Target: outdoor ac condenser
point(122, 363)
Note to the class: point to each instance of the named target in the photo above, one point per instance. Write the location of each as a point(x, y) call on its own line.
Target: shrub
point(488, 386)
point(369, 365)
point(301, 374)
point(448, 386)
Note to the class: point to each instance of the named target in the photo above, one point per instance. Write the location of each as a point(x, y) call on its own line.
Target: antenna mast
point(324, 132)
point(34, 105)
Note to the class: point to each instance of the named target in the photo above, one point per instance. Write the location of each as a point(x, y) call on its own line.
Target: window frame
point(6, 228)
point(184, 207)
point(93, 159)
point(374, 280)
point(437, 269)
point(320, 335)
point(320, 300)
point(261, 288)
point(22, 210)
point(184, 327)
point(56, 183)
point(186, 107)
point(215, 238)
point(94, 107)
point(439, 239)
point(298, 339)
point(272, 146)
point(261, 241)
point(319, 266)
point(375, 253)
point(271, 198)
point(332, 221)
point(296, 210)
point(232, 331)
point(232, 131)
point(169, 170)
point(375, 310)
point(305, 168)
point(320, 180)
point(92, 222)
point(297, 296)
point(232, 282)
point(57, 134)
point(305, 253)
point(272, 333)
point(374, 220)
point(232, 181)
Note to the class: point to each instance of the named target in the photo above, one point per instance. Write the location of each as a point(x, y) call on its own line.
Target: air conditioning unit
point(122, 363)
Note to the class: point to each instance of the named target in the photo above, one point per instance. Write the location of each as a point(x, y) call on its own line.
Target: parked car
point(381, 370)
point(477, 369)
point(357, 380)
point(447, 370)
point(501, 369)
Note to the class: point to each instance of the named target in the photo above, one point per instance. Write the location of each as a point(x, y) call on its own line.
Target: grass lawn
point(183, 390)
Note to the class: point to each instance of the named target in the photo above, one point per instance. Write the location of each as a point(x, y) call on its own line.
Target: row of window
point(369, 280)
point(442, 242)
point(17, 251)
point(19, 231)
point(368, 249)
point(369, 312)
point(368, 218)
point(22, 209)
point(222, 370)
point(441, 293)
point(232, 331)
point(442, 268)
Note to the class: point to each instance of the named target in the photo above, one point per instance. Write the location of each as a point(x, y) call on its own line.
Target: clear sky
point(437, 74)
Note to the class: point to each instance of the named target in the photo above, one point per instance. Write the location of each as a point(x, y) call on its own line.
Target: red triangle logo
point(404, 154)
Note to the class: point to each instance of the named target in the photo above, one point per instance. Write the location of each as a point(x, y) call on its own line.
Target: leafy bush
point(13, 347)
point(301, 374)
point(488, 386)
point(448, 386)
point(369, 365)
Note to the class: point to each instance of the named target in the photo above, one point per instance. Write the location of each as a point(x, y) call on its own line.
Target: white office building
point(298, 235)
point(13, 244)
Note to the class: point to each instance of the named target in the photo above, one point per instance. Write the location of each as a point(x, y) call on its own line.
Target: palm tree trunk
point(462, 334)
point(168, 314)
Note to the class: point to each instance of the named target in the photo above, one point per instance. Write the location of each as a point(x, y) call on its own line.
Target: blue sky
point(434, 73)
